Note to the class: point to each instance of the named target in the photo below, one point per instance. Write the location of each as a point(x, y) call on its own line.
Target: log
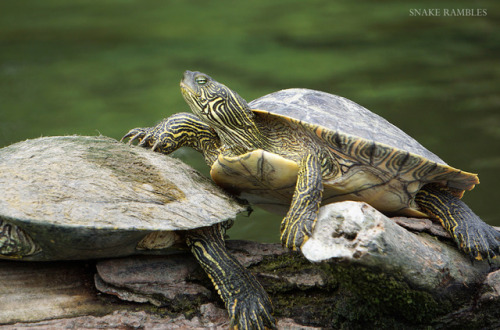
point(359, 268)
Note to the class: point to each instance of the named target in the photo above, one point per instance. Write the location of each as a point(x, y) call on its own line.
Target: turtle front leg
point(297, 226)
point(247, 302)
point(179, 130)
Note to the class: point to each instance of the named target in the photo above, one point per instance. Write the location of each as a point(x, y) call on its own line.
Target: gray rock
point(357, 233)
point(159, 281)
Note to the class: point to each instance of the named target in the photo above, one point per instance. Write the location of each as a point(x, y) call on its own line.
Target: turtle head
point(214, 103)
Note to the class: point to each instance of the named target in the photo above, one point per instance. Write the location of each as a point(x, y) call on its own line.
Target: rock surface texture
point(363, 270)
point(359, 269)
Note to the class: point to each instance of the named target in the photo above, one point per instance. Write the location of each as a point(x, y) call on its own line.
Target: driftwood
point(371, 272)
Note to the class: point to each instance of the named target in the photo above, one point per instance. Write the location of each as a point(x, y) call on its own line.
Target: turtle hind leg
point(246, 301)
point(473, 235)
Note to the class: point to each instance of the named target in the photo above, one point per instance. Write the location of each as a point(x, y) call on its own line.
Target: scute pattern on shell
point(97, 182)
point(342, 115)
point(78, 197)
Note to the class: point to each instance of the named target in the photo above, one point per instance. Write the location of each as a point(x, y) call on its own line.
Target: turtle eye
point(201, 80)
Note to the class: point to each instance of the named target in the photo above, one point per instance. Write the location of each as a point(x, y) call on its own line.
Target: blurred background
point(104, 67)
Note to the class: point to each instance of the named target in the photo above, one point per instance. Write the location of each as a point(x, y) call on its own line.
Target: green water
point(90, 67)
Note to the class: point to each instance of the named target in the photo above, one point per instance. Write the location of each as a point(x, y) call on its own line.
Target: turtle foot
point(295, 231)
point(478, 239)
point(293, 237)
point(151, 137)
point(251, 313)
point(473, 236)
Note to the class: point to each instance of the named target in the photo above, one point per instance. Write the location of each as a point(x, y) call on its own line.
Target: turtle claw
point(480, 241)
point(293, 238)
point(134, 138)
point(144, 137)
point(145, 140)
point(138, 136)
point(151, 137)
point(295, 233)
point(156, 146)
point(256, 314)
point(126, 136)
point(134, 134)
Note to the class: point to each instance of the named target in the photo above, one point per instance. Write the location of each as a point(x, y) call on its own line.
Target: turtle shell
point(77, 197)
point(378, 162)
point(340, 115)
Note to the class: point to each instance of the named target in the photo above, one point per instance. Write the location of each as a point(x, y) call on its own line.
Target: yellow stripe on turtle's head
point(214, 103)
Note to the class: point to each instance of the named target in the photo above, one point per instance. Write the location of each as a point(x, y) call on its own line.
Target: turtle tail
point(476, 238)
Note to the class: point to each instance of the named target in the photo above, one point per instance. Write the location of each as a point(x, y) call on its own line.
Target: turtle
point(78, 197)
point(295, 150)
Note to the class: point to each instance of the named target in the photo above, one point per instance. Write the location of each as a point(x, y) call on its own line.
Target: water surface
point(86, 67)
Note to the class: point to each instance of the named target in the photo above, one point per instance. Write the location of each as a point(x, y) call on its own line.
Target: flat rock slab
point(58, 295)
point(37, 291)
point(211, 318)
point(126, 320)
point(157, 280)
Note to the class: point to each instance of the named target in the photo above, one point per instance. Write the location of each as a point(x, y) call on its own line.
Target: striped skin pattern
point(468, 231)
point(351, 151)
point(344, 166)
point(247, 302)
point(14, 242)
point(352, 167)
point(299, 222)
point(181, 129)
point(213, 105)
point(398, 162)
